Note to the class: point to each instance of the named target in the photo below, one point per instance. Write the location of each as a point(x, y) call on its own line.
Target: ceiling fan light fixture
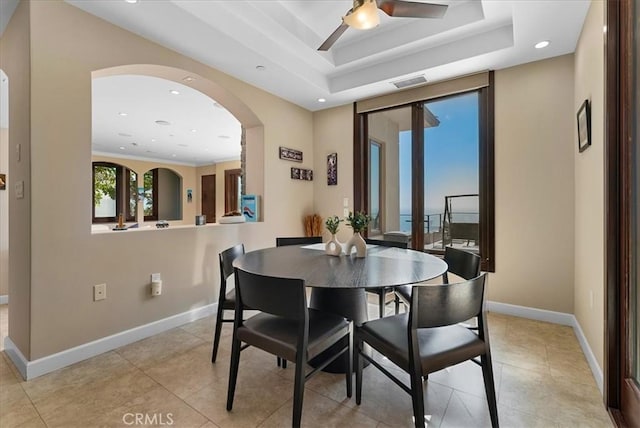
point(363, 16)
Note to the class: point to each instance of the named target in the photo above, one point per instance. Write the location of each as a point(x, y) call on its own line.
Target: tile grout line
point(179, 398)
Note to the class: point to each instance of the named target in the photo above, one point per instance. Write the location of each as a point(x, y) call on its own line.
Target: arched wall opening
point(252, 140)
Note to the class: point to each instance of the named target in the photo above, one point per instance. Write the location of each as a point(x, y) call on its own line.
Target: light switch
point(19, 188)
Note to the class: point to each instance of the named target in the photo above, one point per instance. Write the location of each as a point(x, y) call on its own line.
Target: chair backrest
point(382, 243)
point(298, 240)
point(226, 260)
point(284, 297)
point(462, 263)
point(446, 304)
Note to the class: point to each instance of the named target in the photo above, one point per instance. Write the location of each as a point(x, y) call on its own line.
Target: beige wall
point(15, 61)
point(4, 215)
point(534, 149)
point(589, 179)
point(333, 133)
point(534, 181)
point(66, 46)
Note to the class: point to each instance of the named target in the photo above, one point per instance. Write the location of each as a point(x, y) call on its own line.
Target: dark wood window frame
point(231, 189)
point(486, 99)
point(621, 396)
point(123, 193)
point(154, 191)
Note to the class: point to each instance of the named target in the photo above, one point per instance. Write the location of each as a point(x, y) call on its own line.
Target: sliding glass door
point(427, 171)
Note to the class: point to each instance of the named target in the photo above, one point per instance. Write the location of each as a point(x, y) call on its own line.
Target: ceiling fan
point(364, 15)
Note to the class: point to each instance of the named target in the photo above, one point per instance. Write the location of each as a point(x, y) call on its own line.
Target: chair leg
point(216, 338)
point(417, 399)
point(381, 297)
point(396, 300)
point(349, 373)
point(284, 364)
point(233, 371)
point(489, 387)
point(359, 366)
point(298, 390)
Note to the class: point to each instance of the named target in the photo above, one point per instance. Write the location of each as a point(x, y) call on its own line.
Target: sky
point(451, 156)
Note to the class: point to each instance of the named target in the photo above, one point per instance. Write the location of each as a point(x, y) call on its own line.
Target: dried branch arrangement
point(313, 225)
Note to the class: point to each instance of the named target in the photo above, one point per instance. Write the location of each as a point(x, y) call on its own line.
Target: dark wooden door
point(622, 157)
point(208, 201)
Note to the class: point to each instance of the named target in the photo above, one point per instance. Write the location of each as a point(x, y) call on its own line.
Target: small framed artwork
point(584, 126)
point(332, 169)
point(301, 174)
point(306, 174)
point(189, 196)
point(290, 154)
point(3, 182)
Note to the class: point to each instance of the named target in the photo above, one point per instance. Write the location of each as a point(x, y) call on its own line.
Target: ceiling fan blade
point(410, 9)
point(333, 37)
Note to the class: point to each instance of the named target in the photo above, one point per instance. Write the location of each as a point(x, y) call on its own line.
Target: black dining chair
point(226, 300)
point(464, 264)
point(295, 240)
point(429, 338)
point(384, 291)
point(298, 240)
point(285, 327)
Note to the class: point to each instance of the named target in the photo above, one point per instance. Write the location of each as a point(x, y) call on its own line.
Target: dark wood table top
point(382, 267)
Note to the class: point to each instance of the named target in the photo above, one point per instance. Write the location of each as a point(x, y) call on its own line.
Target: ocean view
point(435, 220)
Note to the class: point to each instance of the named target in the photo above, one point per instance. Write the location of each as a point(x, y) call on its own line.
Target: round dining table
point(339, 283)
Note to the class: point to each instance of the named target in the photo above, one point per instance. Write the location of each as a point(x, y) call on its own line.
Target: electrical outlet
point(99, 292)
point(345, 212)
point(156, 277)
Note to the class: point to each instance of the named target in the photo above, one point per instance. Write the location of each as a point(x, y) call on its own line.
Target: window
point(438, 169)
point(113, 192)
point(375, 177)
point(150, 201)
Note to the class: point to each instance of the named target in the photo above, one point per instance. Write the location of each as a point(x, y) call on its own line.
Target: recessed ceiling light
point(261, 67)
point(122, 134)
point(131, 1)
point(122, 114)
point(121, 147)
point(321, 100)
point(134, 144)
point(174, 92)
point(171, 135)
point(173, 155)
point(162, 122)
point(194, 130)
point(153, 140)
point(542, 44)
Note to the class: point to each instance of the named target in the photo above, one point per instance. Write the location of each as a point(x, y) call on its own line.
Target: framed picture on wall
point(332, 169)
point(584, 126)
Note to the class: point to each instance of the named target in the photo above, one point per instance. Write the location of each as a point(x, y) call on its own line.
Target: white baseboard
point(44, 365)
point(531, 313)
point(555, 318)
point(4, 299)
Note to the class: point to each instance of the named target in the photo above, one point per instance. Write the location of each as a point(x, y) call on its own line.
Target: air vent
point(412, 81)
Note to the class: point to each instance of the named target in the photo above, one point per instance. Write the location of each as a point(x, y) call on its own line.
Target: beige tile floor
point(542, 380)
